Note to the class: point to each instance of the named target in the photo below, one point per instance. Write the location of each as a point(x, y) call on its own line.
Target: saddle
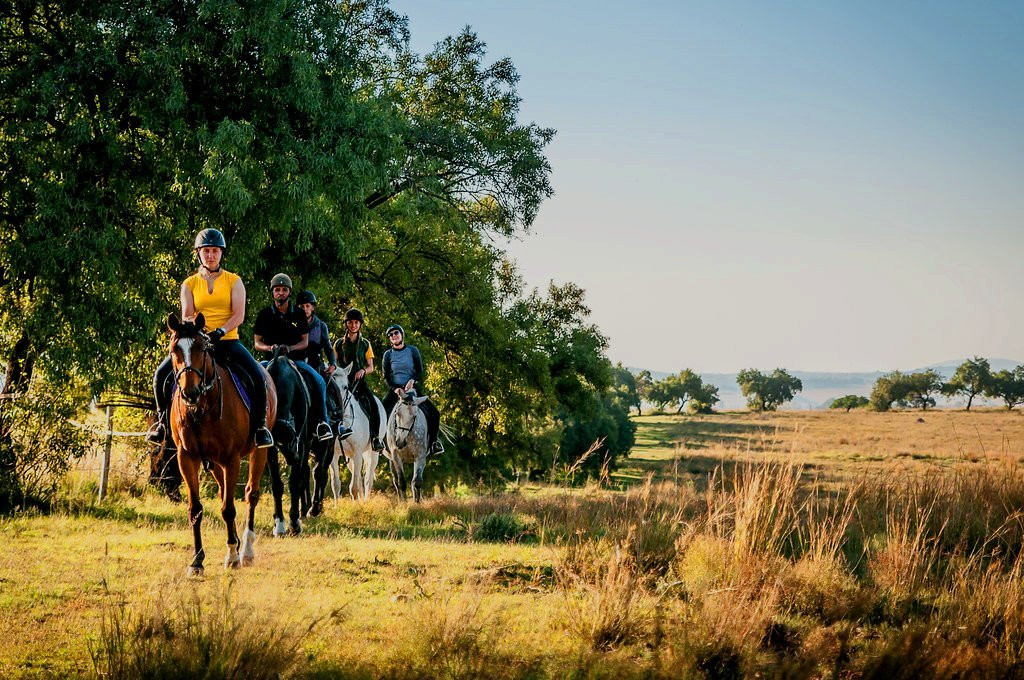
point(240, 379)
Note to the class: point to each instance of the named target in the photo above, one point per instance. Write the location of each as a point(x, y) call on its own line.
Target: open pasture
point(851, 545)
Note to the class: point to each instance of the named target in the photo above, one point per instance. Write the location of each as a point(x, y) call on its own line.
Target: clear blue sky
point(814, 185)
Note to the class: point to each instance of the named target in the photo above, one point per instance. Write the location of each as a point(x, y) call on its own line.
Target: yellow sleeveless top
point(216, 306)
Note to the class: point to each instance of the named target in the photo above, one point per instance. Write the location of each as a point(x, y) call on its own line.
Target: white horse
point(407, 442)
point(360, 458)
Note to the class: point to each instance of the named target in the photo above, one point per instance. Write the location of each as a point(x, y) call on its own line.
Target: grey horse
point(406, 442)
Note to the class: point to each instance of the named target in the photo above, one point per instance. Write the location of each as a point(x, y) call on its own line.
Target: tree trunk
point(19, 372)
point(970, 398)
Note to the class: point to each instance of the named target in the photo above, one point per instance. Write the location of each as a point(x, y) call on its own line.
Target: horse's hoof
point(194, 572)
point(316, 510)
point(296, 529)
point(247, 561)
point(279, 528)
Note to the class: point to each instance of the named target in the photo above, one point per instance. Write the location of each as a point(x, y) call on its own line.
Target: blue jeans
point(319, 405)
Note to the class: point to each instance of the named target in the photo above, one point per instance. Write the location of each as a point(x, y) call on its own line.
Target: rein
point(192, 403)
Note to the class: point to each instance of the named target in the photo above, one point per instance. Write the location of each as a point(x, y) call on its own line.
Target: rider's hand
point(217, 334)
point(359, 374)
point(331, 369)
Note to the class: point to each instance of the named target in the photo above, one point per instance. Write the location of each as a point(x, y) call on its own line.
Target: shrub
point(38, 443)
point(499, 527)
point(187, 639)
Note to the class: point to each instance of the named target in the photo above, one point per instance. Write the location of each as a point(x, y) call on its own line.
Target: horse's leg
point(398, 476)
point(355, 466)
point(307, 489)
point(277, 488)
point(226, 478)
point(417, 475)
point(370, 471)
point(321, 450)
point(295, 495)
point(336, 473)
point(257, 461)
point(189, 467)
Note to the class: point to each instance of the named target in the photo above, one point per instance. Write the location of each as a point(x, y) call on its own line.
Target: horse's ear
point(200, 321)
point(172, 322)
point(348, 369)
point(419, 400)
point(401, 393)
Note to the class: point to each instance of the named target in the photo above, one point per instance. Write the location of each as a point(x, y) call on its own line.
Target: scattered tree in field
point(767, 392)
point(973, 377)
point(644, 383)
point(1008, 386)
point(889, 389)
point(906, 390)
point(704, 398)
point(849, 402)
point(625, 386)
point(685, 387)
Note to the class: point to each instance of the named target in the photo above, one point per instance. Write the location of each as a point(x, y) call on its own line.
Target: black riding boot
point(240, 357)
point(161, 392)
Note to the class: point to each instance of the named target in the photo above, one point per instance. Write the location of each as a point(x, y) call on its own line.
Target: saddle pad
point(241, 390)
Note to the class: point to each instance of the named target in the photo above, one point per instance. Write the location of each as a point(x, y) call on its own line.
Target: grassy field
point(794, 545)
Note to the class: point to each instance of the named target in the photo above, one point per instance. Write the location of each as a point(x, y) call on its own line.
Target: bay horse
point(360, 458)
point(210, 422)
point(407, 442)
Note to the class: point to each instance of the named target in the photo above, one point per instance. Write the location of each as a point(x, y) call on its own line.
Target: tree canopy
point(310, 133)
point(972, 377)
point(766, 392)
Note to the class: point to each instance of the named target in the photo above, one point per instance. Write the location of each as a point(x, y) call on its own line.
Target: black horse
point(292, 437)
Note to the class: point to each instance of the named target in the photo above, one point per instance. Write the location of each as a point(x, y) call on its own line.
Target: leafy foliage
point(973, 377)
point(906, 390)
point(685, 387)
point(1008, 386)
point(850, 402)
point(767, 392)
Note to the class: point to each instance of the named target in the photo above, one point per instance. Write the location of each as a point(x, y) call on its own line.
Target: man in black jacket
point(403, 370)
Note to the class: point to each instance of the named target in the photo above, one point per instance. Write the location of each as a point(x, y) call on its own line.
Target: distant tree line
point(972, 378)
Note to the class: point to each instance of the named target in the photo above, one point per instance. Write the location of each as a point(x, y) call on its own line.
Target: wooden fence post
point(105, 467)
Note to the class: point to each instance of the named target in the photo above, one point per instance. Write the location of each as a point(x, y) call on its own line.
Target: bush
point(38, 443)
point(500, 527)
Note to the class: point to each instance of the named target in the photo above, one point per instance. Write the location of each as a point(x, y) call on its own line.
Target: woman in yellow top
point(220, 296)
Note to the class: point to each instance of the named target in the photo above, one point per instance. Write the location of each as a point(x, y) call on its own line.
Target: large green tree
point(1008, 386)
point(766, 392)
point(972, 377)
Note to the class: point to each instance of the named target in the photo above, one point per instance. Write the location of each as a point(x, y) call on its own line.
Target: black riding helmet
point(306, 296)
point(210, 238)
point(281, 280)
point(353, 315)
point(395, 327)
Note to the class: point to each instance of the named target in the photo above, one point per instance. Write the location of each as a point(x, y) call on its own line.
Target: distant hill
point(821, 388)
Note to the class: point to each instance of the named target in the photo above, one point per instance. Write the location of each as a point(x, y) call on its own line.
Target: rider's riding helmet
point(353, 315)
point(395, 327)
point(210, 237)
point(281, 280)
point(306, 296)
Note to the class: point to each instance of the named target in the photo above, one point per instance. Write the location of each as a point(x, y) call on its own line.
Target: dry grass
point(770, 565)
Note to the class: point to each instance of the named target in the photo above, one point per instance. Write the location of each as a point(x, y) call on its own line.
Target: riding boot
point(161, 395)
point(264, 440)
point(158, 431)
point(377, 444)
point(344, 432)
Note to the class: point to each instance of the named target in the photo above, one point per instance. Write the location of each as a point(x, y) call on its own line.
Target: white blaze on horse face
point(185, 345)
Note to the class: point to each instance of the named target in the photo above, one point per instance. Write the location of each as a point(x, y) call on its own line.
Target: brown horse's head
point(190, 350)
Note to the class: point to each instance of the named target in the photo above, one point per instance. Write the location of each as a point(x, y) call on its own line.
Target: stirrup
point(157, 433)
point(377, 444)
point(323, 432)
point(344, 432)
point(264, 439)
point(436, 448)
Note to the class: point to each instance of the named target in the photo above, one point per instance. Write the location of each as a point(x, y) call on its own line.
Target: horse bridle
point(204, 386)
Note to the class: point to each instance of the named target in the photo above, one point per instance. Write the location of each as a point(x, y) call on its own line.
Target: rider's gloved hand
point(217, 334)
